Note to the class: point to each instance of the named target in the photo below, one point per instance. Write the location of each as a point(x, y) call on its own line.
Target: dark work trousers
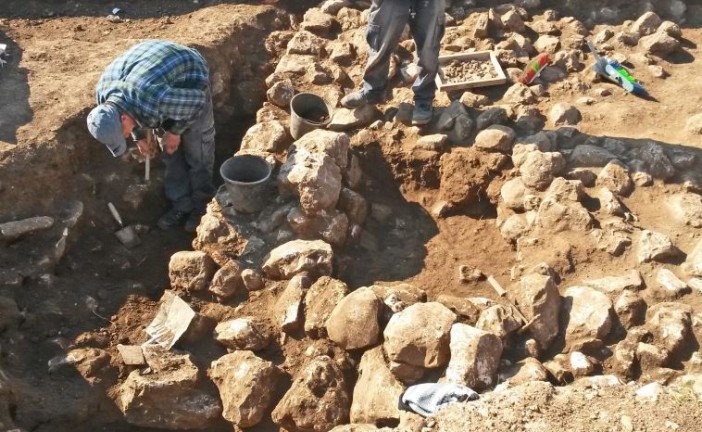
point(188, 181)
point(386, 23)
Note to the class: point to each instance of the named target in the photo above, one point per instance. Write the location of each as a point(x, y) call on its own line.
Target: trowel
point(126, 235)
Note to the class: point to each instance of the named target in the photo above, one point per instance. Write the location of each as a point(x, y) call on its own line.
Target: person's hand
point(170, 142)
point(147, 147)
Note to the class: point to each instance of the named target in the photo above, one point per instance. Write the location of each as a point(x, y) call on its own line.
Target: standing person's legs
point(199, 152)
point(386, 21)
point(427, 29)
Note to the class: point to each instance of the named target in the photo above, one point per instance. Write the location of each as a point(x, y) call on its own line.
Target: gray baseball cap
point(105, 125)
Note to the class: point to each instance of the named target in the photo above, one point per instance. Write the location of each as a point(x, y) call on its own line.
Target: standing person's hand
point(170, 142)
point(147, 147)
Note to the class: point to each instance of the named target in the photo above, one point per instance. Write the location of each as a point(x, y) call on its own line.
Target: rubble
point(475, 357)
point(299, 256)
point(242, 334)
point(320, 301)
point(191, 270)
point(169, 397)
point(377, 391)
point(538, 299)
point(318, 399)
point(244, 382)
point(419, 335)
point(654, 246)
point(354, 321)
point(227, 281)
point(589, 315)
point(288, 309)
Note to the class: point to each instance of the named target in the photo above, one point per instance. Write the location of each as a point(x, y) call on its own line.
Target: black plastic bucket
point(308, 112)
point(246, 179)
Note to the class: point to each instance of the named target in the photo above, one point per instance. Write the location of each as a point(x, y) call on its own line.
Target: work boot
point(172, 218)
point(422, 113)
point(193, 221)
point(359, 98)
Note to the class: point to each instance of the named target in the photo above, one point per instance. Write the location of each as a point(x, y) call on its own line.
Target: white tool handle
point(147, 170)
point(115, 214)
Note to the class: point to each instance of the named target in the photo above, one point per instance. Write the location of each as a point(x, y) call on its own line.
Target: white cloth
point(427, 399)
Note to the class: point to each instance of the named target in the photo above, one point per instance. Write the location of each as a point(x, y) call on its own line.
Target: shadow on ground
point(15, 111)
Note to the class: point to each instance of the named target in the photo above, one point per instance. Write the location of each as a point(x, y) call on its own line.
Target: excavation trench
point(73, 176)
point(431, 222)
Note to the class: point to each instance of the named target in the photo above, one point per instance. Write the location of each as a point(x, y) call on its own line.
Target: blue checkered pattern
point(159, 83)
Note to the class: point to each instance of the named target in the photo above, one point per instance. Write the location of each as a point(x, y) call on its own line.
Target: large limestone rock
point(527, 370)
point(345, 119)
point(610, 204)
point(317, 401)
point(538, 169)
point(333, 144)
point(330, 225)
point(191, 270)
point(419, 335)
point(495, 138)
point(616, 284)
point(297, 256)
point(500, 321)
point(559, 215)
point(227, 281)
point(693, 263)
point(354, 322)
point(686, 209)
point(547, 44)
point(377, 391)
point(268, 136)
point(519, 93)
point(538, 299)
point(655, 246)
point(615, 177)
point(305, 43)
point(320, 301)
point(647, 24)
point(475, 357)
point(246, 386)
point(660, 44)
point(589, 315)
point(242, 334)
point(288, 308)
point(671, 325)
point(464, 308)
point(170, 397)
point(221, 240)
point(314, 177)
point(398, 296)
point(668, 285)
point(317, 22)
point(565, 114)
point(630, 309)
point(512, 193)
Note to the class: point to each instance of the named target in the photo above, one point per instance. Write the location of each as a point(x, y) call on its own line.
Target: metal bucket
point(246, 178)
point(308, 112)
